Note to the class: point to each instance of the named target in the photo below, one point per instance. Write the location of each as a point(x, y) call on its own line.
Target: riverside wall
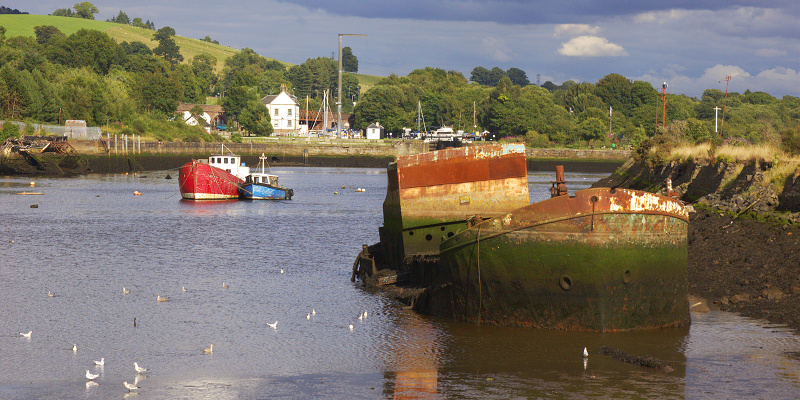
point(115, 156)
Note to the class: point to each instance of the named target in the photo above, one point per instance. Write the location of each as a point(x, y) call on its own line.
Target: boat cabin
point(230, 163)
point(265, 179)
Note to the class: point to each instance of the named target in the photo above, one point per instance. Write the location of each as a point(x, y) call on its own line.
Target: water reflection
point(85, 248)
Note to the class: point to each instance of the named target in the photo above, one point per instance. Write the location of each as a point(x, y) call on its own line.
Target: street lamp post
point(339, 88)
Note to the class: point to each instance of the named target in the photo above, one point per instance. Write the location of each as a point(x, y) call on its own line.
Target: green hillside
point(22, 25)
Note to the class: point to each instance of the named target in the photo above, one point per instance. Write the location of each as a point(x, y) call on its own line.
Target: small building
point(375, 131)
point(284, 111)
point(213, 117)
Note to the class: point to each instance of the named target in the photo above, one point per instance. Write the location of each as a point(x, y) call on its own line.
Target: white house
point(284, 111)
point(375, 131)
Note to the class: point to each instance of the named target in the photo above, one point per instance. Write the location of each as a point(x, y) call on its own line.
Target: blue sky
point(692, 45)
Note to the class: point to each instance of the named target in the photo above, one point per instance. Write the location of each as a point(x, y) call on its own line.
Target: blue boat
point(261, 185)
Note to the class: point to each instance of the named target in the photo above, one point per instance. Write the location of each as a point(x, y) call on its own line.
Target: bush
point(9, 130)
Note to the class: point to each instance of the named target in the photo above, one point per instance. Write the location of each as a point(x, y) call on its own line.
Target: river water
point(90, 237)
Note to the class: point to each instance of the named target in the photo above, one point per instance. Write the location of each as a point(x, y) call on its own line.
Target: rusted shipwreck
point(461, 240)
point(40, 155)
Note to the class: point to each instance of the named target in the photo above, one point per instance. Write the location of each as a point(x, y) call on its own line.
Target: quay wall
point(111, 156)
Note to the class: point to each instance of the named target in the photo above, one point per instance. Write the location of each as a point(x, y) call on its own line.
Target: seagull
point(308, 316)
point(360, 317)
point(313, 312)
point(183, 289)
point(224, 286)
point(74, 348)
point(90, 376)
point(101, 362)
point(585, 353)
point(351, 326)
point(273, 326)
point(130, 386)
point(281, 270)
point(50, 294)
point(26, 335)
point(159, 298)
point(125, 291)
point(209, 349)
point(139, 369)
point(365, 313)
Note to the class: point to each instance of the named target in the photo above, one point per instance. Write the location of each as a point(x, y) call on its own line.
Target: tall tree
point(45, 33)
point(167, 48)
point(255, 119)
point(518, 77)
point(85, 10)
point(349, 60)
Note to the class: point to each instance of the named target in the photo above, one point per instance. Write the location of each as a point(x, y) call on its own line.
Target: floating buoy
point(33, 183)
point(34, 206)
point(335, 192)
point(137, 193)
point(343, 187)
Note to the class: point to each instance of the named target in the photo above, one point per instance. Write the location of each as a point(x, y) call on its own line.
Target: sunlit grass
point(761, 153)
point(687, 152)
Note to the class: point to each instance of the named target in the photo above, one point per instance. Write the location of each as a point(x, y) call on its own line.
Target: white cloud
point(591, 46)
point(569, 30)
point(770, 52)
point(496, 49)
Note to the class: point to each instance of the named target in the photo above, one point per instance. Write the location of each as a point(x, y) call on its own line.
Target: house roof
point(268, 99)
point(374, 125)
point(207, 108)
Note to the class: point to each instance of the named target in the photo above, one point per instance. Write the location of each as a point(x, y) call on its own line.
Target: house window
point(289, 112)
point(275, 123)
point(276, 112)
point(289, 123)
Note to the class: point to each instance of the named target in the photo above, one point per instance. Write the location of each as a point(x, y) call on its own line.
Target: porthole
point(410, 233)
point(428, 237)
point(565, 282)
point(626, 276)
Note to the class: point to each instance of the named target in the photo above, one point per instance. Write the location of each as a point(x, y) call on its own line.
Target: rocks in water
point(644, 361)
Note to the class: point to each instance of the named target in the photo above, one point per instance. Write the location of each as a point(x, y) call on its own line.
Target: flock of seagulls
point(91, 377)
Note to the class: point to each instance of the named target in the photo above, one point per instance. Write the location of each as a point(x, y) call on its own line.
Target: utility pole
point(664, 105)
point(339, 97)
point(610, 111)
point(727, 81)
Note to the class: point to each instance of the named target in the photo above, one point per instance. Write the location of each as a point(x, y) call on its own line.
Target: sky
point(690, 44)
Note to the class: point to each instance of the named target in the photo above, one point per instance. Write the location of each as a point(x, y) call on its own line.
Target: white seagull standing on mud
point(273, 326)
point(90, 376)
point(26, 335)
point(101, 362)
point(130, 386)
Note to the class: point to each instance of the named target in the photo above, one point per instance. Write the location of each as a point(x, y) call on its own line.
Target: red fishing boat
point(215, 178)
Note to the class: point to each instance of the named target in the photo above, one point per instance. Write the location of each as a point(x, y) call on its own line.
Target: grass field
point(22, 25)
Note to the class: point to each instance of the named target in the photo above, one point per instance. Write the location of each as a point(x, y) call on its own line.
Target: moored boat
point(260, 185)
point(601, 260)
point(215, 178)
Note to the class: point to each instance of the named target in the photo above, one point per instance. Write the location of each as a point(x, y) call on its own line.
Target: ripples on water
point(91, 236)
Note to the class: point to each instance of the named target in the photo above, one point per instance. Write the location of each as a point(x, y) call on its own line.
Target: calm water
point(90, 237)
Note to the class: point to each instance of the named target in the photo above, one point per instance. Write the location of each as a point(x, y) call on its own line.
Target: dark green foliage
point(9, 130)
point(85, 48)
point(518, 77)
point(45, 33)
point(349, 60)
point(85, 10)
point(135, 47)
point(255, 119)
point(121, 18)
point(63, 12)
point(209, 40)
point(158, 93)
point(167, 48)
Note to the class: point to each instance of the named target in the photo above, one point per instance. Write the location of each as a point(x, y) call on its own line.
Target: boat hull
point(431, 196)
point(200, 181)
point(254, 191)
point(603, 260)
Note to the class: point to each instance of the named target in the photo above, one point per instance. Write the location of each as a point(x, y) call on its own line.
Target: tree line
point(52, 77)
point(613, 110)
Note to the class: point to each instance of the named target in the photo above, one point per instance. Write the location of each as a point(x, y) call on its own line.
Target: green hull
point(558, 264)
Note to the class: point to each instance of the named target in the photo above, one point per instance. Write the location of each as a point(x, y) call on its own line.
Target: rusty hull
point(602, 260)
point(431, 196)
